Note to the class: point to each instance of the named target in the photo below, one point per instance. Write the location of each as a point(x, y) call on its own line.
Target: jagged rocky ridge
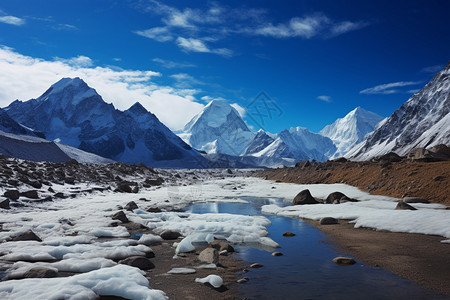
point(422, 121)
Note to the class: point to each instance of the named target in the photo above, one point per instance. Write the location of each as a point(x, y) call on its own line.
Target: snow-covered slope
point(37, 149)
point(350, 130)
point(7, 124)
point(422, 121)
point(218, 129)
point(72, 113)
point(297, 144)
point(261, 140)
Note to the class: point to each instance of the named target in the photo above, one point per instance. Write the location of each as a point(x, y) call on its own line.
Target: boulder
point(441, 149)
point(36, 184)
point(140, 262)
point(221, 245)
point(154, 182)
point(4, 204)
point(27, 236)
point(33, 194)
point(328, 221)
point(256, 265)
point(340, 160)
point(288, 234)
point(389, 157)
point(304, 197)
point(303, 164)
point(276, 253)
point(335, 196)
point(12, 194)
point(120, 215)
point(169, 235)
point(415, 200)
point(242, 280)
point(123, 187)
point(40, 272)
point(345, 261)
point(131, 206)
point(404, 205)
point(209, 256)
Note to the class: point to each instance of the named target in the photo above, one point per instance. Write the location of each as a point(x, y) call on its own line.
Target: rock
point(169, 235)
point(27, 236)
point(229, 171)
point(123, 187)
point(221, 245)
point(154, 209)
point(276, 253)
point(135, 190)
point(36, 184)
point(242, 280)
point(120, 215)
point(389, 157)
point(335, 196)
point(140, 262)
point(69, 180)
point(304, 197)
point(30, 194)
point(415, 200)
point(131, 206)
point(153, 182)
point(256, 265)
point(288, 234)
point(40, 272)
point(345, 261)
point(209, 255)
point(60, 195)
point(13, 182)
point(438, 178)
point(328, 221)
point(303, 164)
point(340, 160)
point(441, 149)
point(404, 205)
point(4, 204)
point(12, 194)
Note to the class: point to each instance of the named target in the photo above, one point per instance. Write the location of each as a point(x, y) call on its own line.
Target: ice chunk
point(214, 280)
point(150, 239)
point(182, 271)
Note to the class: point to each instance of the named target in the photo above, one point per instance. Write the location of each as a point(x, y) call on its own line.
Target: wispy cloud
point(433, 69)
point(65, 27)
point(324, 98)
point(388, 88)
point(197, 45)
point(184, 80)
point(306, 27)
point(172, 64)
point(24, 77)
point(160, 34)
point(11, 20)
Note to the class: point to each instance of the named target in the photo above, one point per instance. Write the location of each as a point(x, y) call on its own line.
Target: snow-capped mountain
point(422, 121)
point(261, 140)
point(350, 130)
point(218, 128)
point(72, 113)
point(297, 144)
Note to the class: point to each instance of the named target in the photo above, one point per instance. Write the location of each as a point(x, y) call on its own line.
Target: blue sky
point(317, 60)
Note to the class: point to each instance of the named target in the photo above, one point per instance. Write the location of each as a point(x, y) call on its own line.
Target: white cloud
point(324, 98)
point(432, 69)
point(80, 61)
point(24, 77)
point(172, 64)
point(306, 27)
point(160, 34)
point(185, 80)
point(242, 111)
point(388, 88)
point(12, 20)
point(197, 45)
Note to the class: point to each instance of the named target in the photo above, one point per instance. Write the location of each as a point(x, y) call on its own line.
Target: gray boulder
point(12, 194)
point(40, 272)
point(209, 256)
point(169, 235)
point(304, 197)
point(328, 221)
point(404, 206)
point(140, 262)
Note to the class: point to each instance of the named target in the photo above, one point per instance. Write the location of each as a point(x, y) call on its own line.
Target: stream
point(306, 270)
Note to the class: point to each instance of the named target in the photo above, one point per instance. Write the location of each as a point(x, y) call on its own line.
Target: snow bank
point(121, 281)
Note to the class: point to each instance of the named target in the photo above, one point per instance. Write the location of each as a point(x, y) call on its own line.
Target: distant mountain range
point(77, 123)
point(73, 113)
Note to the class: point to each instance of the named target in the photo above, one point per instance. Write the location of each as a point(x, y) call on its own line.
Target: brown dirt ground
point(430, 180)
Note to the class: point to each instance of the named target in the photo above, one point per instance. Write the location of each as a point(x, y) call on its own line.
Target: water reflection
point(306, 270)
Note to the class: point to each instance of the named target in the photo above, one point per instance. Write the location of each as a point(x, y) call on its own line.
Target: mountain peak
point(138, 109)
point(67, 81)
